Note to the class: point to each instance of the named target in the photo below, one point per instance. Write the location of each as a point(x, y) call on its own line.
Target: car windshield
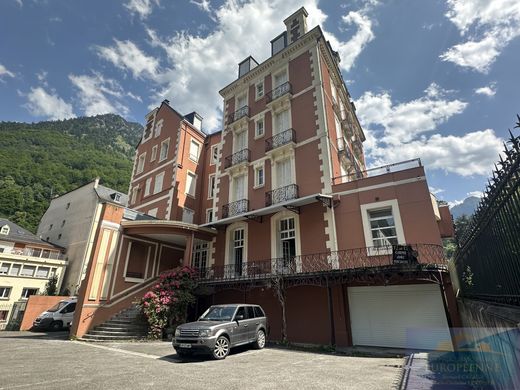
point(219, 313)
point(58, 306)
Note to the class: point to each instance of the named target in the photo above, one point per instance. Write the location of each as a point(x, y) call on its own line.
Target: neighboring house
point(71, 221)
point(26, 265)
point(282, 191)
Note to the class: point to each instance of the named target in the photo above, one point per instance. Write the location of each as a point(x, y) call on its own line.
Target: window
point(158, 127)
point(214, 155)
point(28, 270)
point(43, 272)
point(152, 212)
point(140, 163)
point(5, 230)
point(59, 236)
point(27, 292)
point(147, 186)
point(259, 88)
point(281, 122)
point(283, 173)
point(70, 308)
point(5, 292)
point(194, 150)
point(3, 314)
point(53, 272)
point(382, 227)
point(250, 312)
point(191, 181)
point(239, 188)
point(238, 250)
point(279, 79)
point(287, 241)
point(158, 185)
point(62, 223)
point(68, 206)
point(154, 153)
point(209, 215)
point(211, 186)
point(164, 150)
point(4, 268)
point(148, 128)
point(240, 141)
point(259, 176)
point(15, 269)
point(259, 312)
point(334, 92)
point(200, 255)
point(50, 226)
point(36, 252)
point(259, 128)
point(187, 215)
point(241, 101)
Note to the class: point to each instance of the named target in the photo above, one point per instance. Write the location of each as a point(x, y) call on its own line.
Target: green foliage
point(461, 224)
point(51, 287)
point(45, 159)
point(450, 247)
point(166, 304)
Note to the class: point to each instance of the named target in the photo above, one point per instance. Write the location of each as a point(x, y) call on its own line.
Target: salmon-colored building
point(282, 193)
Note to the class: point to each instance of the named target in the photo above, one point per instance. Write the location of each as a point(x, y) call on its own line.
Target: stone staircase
point(129, 324)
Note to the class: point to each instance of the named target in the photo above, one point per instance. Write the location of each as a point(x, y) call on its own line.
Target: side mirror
point(239, 317)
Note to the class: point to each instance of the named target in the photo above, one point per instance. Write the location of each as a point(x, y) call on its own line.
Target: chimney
point(296, 25)
point(166, 101)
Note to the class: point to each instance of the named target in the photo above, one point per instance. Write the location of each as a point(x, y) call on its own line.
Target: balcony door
point(283, 173)
point(241, 101)
point(281, 122)
point(287, 243)
point(241, 141)
point(239, 188)
point(238, 250)
point(280, 78)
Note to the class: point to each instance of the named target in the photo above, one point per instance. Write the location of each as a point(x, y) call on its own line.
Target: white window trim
point(158, 128)
point(275, 220)
point(232, 178)
point(9, 291)
point(148, 187)
point(236, 134)
point(193, 140)
point(207, 213)
point(240, 94)
point(143, 155)
point(258, 136)
point(153, 155)
point(257, 98)
point(232, 228)
point(365, 208)
point(168, 151)
point(274, 177)
point(213, 161)
point(136, 280)
point(255, 168)
point(277, 72)
point(5, 230)
point(214, 176)
point(150, 117)
point(155, 183)
point(195, 185)
point(192, 214)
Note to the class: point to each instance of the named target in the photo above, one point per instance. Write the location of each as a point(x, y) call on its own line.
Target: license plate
point(185, 345)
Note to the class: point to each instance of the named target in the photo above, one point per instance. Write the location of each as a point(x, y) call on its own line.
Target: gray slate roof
point(19, 234)
point(108, 195)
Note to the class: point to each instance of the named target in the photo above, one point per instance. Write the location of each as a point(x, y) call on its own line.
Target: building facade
point(282, 196)
point(71, 221)
point(26, 265)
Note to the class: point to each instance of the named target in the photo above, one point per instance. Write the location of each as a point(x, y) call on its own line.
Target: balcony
point(281, 90)
point(415, 257)
point(280, 139)
point(242, 112)
point(281, 194)
point(344, 149)
point(235, 208)
point(240, 157)
point(361, 174)
point(34, 252)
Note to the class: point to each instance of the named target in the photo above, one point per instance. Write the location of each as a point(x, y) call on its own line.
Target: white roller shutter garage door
point(407, 316)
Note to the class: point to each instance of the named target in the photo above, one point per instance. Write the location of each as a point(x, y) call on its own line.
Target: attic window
point(5, 230)
point(279, 43)
point(116, 197)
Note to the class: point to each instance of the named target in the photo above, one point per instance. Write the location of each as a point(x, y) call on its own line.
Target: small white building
point(71, 221)
point(26, 265)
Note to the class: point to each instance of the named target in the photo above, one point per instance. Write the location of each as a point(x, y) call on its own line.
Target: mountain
point(41, 160)
point(467, 207)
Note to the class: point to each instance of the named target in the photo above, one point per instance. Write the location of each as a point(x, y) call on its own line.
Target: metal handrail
point(238, 114)
point(278, 92)
point(360, 174)
point(280, 139)
point(241, 156)
point(281, 194)
point(235, 208)
point(33, 252)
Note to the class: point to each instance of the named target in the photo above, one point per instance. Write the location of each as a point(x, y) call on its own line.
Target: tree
point(51, 287)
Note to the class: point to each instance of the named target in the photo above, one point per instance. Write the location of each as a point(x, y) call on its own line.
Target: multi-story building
point(71, 221)
point(26, 265)
point(283, 192)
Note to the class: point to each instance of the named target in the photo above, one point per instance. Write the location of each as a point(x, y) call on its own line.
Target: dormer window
point(279, 43)
point(5, 230)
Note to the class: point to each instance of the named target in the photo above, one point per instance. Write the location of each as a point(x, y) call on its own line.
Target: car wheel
point(260, 339)
point(55, 326)
point(221, 349)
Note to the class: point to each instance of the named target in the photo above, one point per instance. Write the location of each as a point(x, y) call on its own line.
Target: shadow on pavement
point(37, 335)
point(201, 357)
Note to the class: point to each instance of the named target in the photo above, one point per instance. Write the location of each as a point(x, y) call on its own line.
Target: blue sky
point(431, 79)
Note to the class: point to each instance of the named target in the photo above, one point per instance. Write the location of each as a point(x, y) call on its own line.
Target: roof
point(19, 234)
point(109, 195)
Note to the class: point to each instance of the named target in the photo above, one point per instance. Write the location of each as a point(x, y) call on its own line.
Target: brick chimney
point(296, 25)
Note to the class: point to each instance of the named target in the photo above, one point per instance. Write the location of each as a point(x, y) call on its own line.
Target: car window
point(218, 313)
point(259, 312)
point(69, 308)
point(250, 312)
point(241, 311)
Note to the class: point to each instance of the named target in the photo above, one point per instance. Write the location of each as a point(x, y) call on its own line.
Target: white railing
point(34, 252)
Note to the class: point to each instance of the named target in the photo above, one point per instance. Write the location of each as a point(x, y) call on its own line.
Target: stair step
point(110, 337)
point(115, 333)
point(109, 328)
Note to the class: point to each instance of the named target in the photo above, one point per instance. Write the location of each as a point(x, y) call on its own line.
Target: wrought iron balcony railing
point(238, 114)
point(241, 156)
point(280, 139)
point(235, 208)
point(278, 92)
point(416, 256)
point(281, 194)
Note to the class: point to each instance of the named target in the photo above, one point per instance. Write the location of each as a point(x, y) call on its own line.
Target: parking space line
point(140, 354)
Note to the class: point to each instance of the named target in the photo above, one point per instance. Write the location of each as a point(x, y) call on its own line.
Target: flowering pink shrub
point(166, 303)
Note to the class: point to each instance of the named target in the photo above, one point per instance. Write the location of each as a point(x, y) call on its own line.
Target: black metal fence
point(281, 194)
point(241, 156)
point(235, 208)
point(280, 139)
point(487, 261)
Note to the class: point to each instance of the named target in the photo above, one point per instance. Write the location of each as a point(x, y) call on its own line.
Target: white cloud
point(197, 67)
point(127, 56)
point(491, 25)
point(488, 90)
point(48, 105)
point(435, 191)
point(203, 5)
point(98, 95)
point(478, 194)
point(143, 8)
point(5, 72)
point(398, 132)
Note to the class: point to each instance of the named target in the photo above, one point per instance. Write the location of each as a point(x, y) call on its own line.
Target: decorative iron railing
point(238, 114)
point(360, 174)
point(235, 208)
point(241, 156)
point(281, 194)
point(278, 92)
point(488, 257)
point(280, 139)
point(344, 149)
point(423, 255)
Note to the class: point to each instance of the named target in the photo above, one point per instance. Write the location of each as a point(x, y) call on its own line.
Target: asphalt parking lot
point(50, 361)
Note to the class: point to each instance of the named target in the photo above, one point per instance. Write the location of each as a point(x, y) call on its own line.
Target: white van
point(58, 316)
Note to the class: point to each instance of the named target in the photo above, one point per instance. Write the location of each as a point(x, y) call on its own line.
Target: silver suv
point(220, 328)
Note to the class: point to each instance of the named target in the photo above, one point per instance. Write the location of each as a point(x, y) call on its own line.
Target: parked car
point(58, 316)
point(221, 328)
